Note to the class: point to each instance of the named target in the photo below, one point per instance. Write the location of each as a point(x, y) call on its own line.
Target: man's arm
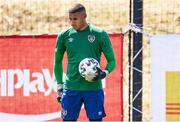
point(109, 54)
point(58, 69)
point(100, 74)
point(108, 51)
point(58, 57)
point(110, 57)
point(111, 62)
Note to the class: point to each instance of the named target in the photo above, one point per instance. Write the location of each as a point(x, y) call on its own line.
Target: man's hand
point(90, 76)
point(59, 92)
point(100, 74)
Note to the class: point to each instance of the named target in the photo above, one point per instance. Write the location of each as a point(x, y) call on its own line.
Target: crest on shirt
point(91, 38)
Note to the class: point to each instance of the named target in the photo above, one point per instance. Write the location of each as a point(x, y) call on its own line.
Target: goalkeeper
point(82, 40)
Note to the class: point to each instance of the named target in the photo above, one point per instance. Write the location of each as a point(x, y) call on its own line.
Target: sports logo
point(63, 113)
point(91, 38)
point(70, 39)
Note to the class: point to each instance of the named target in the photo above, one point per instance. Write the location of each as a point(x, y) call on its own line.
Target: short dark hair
point(77, 8)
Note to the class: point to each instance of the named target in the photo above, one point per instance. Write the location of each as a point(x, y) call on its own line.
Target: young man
point(80, 41)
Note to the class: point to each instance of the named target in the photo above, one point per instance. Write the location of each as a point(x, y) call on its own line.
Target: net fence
point(50, 16)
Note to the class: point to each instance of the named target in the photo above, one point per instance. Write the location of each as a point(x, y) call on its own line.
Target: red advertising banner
point(28, 86)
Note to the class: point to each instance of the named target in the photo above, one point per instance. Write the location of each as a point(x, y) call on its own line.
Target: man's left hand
point(100, 74)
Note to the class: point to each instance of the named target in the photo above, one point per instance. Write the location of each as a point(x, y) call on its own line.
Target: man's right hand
point(59, 92)
point(90, 76)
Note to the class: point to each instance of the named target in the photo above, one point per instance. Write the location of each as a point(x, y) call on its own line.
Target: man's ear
point(84, 15)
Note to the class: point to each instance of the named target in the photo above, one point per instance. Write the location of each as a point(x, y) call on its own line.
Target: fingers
point(90, 76)
point(98, 69)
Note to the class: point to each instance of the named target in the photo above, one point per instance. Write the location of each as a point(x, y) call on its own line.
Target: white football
point(88, 65)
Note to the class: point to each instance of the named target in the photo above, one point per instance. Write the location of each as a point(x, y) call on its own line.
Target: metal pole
point(129, 60)
point(137, 63)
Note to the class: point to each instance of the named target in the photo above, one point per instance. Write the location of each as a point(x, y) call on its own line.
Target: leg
point(71, 105)
point(94, 105)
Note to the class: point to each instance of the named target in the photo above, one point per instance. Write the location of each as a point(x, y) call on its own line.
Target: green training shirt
point(89, 43)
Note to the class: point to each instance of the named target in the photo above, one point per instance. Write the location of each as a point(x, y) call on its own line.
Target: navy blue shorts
point(72, 101)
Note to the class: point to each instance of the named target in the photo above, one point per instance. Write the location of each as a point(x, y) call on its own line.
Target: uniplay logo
point(27, 95)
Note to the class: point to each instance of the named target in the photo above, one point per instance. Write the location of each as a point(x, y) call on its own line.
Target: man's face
point(77, 20)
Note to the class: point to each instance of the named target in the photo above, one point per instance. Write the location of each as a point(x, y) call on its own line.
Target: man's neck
point(83, 27)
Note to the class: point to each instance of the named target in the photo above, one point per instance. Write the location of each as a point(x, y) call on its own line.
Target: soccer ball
point(88, 65)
